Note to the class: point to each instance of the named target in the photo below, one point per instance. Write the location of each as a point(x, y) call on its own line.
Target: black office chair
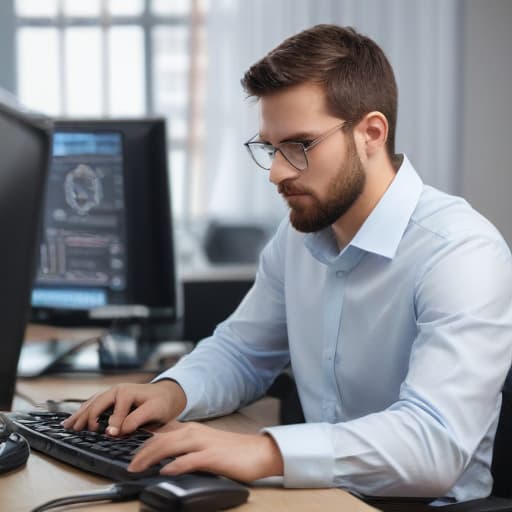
point(290, 408)
point(234, 243)
point(500, 499)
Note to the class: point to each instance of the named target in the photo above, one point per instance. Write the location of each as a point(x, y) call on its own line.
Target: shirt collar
point(383, 229)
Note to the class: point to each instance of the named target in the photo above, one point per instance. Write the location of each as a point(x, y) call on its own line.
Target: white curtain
point(421, 39)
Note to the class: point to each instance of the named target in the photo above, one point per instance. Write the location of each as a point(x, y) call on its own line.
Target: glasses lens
point(262, 154)
point(294, 153)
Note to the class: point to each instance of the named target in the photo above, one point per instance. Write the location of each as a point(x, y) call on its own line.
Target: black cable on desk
point(123, 491)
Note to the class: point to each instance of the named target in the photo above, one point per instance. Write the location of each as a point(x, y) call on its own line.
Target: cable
point(27, 398)
point(48, 355)
point(122, 491)
point(50, 405)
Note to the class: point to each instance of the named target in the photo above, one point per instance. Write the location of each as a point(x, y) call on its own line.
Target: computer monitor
point(106, 255)
point(24, 154)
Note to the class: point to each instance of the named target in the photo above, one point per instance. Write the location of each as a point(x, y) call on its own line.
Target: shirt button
point(339, 273)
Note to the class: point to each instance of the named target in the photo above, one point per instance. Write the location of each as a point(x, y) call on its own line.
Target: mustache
point(288, 188)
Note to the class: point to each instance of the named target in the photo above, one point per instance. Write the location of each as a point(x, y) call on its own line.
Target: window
point(118, 58)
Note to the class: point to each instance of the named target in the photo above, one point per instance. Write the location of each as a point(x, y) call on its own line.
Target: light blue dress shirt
point(399, 345)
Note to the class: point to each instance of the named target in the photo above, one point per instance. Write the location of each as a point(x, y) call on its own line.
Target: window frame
point(191, 145)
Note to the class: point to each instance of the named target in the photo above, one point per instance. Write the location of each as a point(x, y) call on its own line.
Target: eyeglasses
point(295, 153)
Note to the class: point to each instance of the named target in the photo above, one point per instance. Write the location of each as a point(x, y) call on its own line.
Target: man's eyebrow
point(298, 136)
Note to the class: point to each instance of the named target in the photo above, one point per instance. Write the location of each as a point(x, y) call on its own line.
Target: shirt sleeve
point(449, 401)
point(237, 364)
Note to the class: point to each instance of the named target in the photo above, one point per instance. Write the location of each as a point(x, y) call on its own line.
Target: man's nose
point(281, 170)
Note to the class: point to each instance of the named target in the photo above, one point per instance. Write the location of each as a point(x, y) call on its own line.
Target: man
point(392, 300)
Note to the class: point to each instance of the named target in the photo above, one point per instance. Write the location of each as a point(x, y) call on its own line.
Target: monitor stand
point(38, 357)
point(122, 347)
point(125, 347)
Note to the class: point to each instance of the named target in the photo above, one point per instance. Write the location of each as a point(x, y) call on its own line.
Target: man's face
point(334, 179)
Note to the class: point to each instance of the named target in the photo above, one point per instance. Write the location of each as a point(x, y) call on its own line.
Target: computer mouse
point(193, 493)
point(14, 451)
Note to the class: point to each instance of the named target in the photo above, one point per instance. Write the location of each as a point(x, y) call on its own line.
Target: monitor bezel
point(26, 141)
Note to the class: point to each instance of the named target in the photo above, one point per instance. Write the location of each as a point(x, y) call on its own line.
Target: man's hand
point(243, 457)
point(158, 402)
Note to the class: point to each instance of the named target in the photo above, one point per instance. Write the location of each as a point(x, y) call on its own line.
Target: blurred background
point(183, 59)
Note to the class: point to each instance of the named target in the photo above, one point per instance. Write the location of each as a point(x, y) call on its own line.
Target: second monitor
point(106, 251)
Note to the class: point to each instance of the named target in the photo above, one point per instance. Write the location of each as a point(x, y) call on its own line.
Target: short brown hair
point(356, 74)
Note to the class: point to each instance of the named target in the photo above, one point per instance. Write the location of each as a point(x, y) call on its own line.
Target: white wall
point(486, 177)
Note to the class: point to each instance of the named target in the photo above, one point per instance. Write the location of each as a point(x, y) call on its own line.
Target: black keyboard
point(90, 451)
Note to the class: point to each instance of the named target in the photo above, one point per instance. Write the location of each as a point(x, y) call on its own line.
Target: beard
point(343, 191)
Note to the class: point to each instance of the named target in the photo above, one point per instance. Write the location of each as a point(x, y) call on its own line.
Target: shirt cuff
point(307, 452)
point(193, 390)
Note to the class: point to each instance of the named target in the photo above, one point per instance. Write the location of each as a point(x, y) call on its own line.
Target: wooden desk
point(44, 478)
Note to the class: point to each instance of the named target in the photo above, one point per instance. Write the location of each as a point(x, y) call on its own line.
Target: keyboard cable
point(121, 491)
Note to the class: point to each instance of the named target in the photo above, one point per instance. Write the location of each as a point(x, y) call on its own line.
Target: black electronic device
point(191, 493)
point(106, 253)
point(87, 450)
point(24, 156)
point(14, 449)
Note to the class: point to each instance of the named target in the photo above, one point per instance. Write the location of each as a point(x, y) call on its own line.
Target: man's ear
point(372, 133)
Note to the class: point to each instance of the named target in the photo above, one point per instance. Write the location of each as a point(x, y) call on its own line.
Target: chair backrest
point(502, 457)
point(234, 243)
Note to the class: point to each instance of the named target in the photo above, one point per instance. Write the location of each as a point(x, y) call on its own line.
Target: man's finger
point(160, 447)
point(122, 405)
point(144, 413)
point(99, 405)
point(194, 461)
point(70, 421)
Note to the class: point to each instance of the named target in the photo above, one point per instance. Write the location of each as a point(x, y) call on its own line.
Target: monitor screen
point(106, 236)
point(83, 241)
